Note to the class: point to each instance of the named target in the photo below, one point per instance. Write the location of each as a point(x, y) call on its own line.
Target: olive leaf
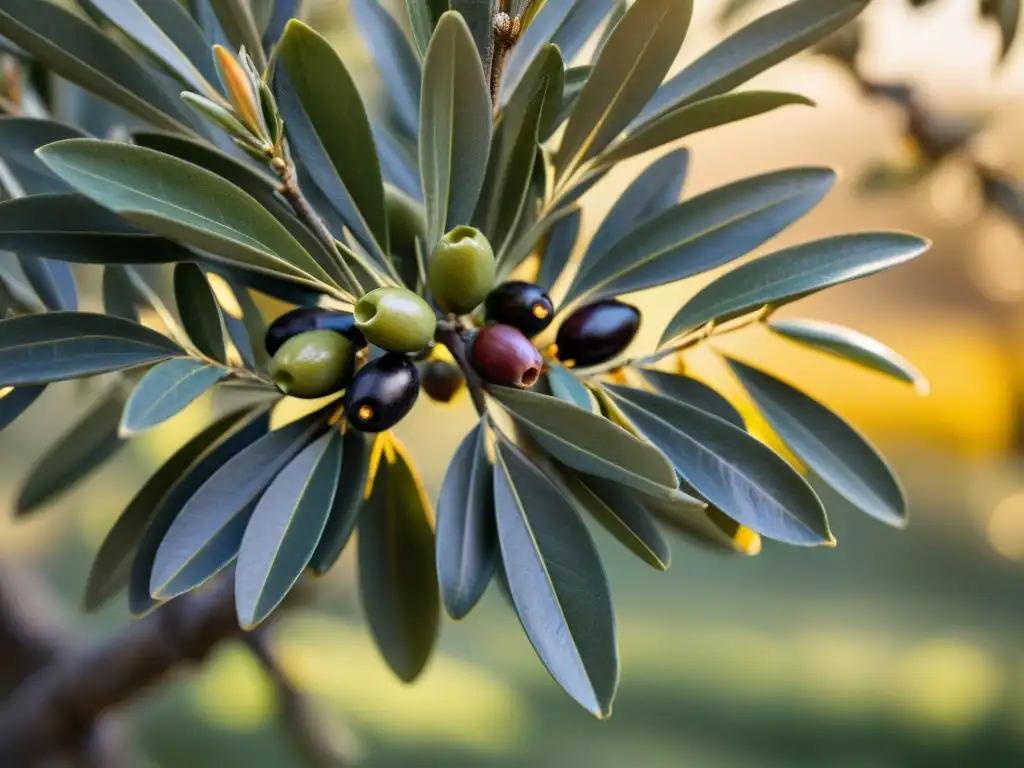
point(344, 513)
point(567, 387)
point(16, 401)
point(165, 391)
point(690, 391)
point(395, 59)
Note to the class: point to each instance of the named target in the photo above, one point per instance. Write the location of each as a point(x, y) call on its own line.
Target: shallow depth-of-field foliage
point(433, 247)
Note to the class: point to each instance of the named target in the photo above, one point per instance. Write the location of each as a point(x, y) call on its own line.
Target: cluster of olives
point(314, 355)
point(315, 350)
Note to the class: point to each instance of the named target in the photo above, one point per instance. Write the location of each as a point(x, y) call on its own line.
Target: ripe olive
point(303, 319)
point(395, 319)
point(441, 380)
point(522, 305)
point(382, 393)
point(502, 355)
point(597, 332)
point(461, 271)
point(313, 364)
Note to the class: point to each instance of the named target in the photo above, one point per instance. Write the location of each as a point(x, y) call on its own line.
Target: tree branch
point(56, 708)
point(450, 336)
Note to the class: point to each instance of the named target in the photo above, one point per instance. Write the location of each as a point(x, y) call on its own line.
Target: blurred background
point(894, 649)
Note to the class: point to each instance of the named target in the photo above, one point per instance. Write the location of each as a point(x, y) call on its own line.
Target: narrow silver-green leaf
point(706, 232)
point(331, 101)
point(397, 62)
point(556, 581)
point(690, 391)
point(852, 346)
point(20, 137)
point(588, 442)
point(16, 401)
point(344, 514)
point(467, 541)
point(623, 514)
point(479, 16)
point(165, 391)
point(113, 563)
point(37, 349)
point(831, 447)
point(689, 119)
point(183, 202)
point(567, 387)
point(79, 452)
point(175, 21)
point(206, 534)
point(397, 575)
point(137, 25)
point(119, 294)
point(629, 70)
point(199, 311)
point(285, 529)
point(253, 427)
point(762, 44)
point(455, 127)
point(734, 471)
point(791, 274)
point(73, 48)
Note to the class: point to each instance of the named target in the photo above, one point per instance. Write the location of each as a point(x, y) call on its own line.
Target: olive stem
point(450, 335)
point(289, 187)
point(506, 31)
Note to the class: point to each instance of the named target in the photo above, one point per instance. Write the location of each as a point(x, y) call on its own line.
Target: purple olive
point(382, 393)
point(522, 305)
point(304, 319)
point(597, 332)
point(502, 355)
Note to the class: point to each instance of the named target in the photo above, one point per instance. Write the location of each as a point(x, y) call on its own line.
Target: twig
point(506, 34)
point(57, 708)
point(320, 746)
point(289, 188)
point(450, 335)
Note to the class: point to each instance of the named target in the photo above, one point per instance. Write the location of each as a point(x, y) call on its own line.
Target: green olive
point(461, 271)
point(406, 221)
point(395, 319)
point(313, 364)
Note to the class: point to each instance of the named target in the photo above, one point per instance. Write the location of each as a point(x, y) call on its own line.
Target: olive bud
point(461, 271)
point(522, 305)
point(303, 319)
point(382, 393)
point(395, 319)
point(441, 380)
point(313, 364)
point(597, 332)
point(502, 355)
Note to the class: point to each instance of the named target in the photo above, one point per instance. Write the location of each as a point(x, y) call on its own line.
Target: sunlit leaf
point(556, 581)
point(467, 542)
point(36, 349)
point(567, 387)
point(675, 124)
point(705, 232)
point(732, 470)
point(285, 529)
point(762, 44)
point(79, 452)
point(690, 391)
point(791, 274)
point(589, 443)
point(852, 346)
point(648, 39)
point(397, 576)
point(207, 532)
point(166, 390)
point(113, 563)
point(455, 127)
point(833, 449)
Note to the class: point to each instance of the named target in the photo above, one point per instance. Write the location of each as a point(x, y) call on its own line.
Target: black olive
point(303, 319)
point(441, 380)
point(522, 305)
point(382, 393)
point(502, 355)
point(597, 332)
